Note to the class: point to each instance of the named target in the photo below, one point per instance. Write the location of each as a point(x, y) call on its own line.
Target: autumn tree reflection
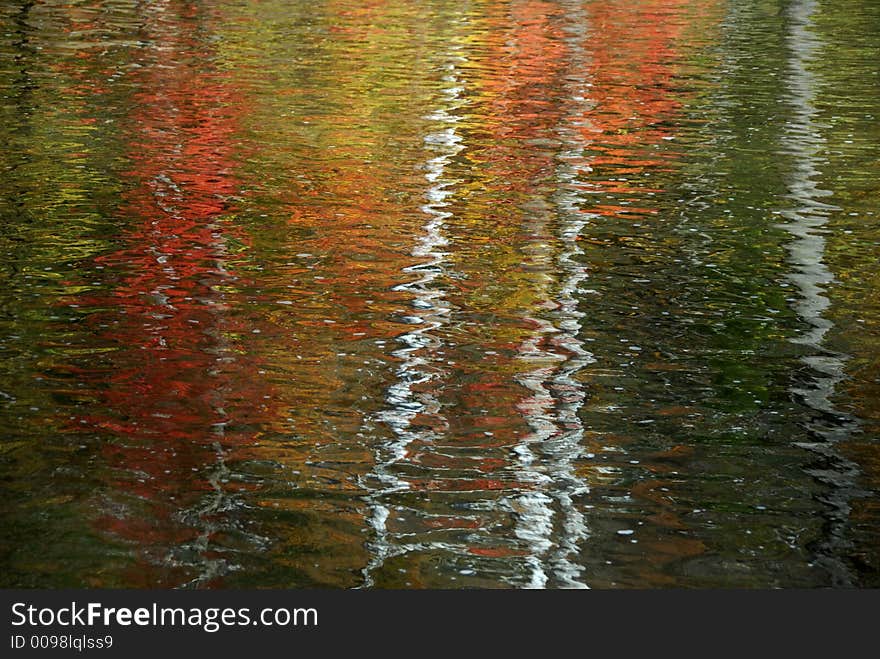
point(177, 395)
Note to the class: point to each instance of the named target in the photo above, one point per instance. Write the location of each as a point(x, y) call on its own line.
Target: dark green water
point(440, 294)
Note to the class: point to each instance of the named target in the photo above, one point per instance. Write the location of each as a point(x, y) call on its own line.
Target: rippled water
point(574, 293)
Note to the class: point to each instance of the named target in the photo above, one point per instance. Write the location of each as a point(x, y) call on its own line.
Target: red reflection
point(175, 398)
point(632, 64)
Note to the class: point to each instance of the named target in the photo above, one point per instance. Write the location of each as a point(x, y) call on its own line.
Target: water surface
point(398, 294)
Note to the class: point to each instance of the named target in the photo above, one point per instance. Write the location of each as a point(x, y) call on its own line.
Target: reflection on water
point(538, 294)
point(414, 412)
point(806, 220)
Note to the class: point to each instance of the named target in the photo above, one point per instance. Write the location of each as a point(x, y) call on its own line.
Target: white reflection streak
point(806, 221)
point(533, 507)
point(570, 394)
point(552, 411)
point(420, 345)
